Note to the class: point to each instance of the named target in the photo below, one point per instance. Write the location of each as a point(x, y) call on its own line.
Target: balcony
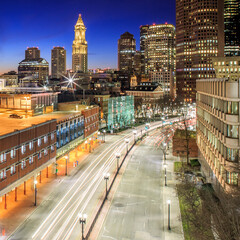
point(233, 142)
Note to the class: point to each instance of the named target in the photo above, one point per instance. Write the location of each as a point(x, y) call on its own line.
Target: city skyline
point(54, 26)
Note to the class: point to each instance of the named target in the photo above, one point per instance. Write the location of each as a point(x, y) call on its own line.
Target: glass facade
point(69, 130)
point(120, 112)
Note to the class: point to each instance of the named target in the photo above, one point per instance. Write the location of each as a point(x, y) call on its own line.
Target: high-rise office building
point(157, 46)
point(232, 27)
point(80, 48)
point(199, 37)
point(32, 53)
point(33, 69)
point(126, 52)
point(58, 62)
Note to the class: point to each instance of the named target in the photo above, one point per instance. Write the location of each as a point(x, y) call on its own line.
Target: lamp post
point(118, 157)
point(106, 178)
point(135, 134)
point(82, 220)
point(165, 173)
point(35, 188)
point(126, 141)
point(169, 203)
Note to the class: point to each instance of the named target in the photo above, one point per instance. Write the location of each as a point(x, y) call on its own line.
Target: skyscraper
point(58, 62)
point(232, 27)
point(126, 52)
point(157, 45)
point(32, 53)
point(199, 37)
point(80, 48)
point(33, 69)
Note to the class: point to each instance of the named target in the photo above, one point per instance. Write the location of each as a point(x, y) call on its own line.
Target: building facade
point(232, 27)
point(158, 54)
point(80, 48)
point(32, 53)
point(126, 52)
point(120, 112)
point(36, 69)
point(199, 37)
point(58, 62)
point(227, 67)
point(218, 131)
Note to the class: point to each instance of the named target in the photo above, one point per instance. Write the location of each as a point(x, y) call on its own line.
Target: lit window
point(23, 164)
point(52, 148)
point(31, 160)
point(13, 169)
point(52, 136)
point(31, 145)
point(39, 141)
point(45, 152)
point(45, 139)
point(3, 157)
point(23, 148)
point(3, 174)
point(13, 153)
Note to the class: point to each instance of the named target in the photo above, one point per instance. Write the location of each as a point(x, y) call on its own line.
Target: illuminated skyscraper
point(157, 46)
point(199, 37)
point(126, 52)
point(58, 62)
point(232, 27)
point(32, 53)
point(80, 48)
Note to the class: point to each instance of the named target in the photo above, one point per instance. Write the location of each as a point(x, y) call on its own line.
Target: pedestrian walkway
point(139, 208)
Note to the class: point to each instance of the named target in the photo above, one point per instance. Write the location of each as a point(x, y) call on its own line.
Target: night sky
point(48, 23)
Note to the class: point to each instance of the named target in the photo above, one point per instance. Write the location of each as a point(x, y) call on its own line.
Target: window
point(232, 154)
point(13, 153)
point(39, 155)
point(52, 148)
point(31, 160)
point(3, 174)
point(232, 131)
point(45, 152)
point(52, 136)
point(31, 145)
point(23, 148)
point(39, 141)
point(3, 157)
point(45, 139)
point(13, 169)
point(232, 178)
point(23, 164)
point(232, 108)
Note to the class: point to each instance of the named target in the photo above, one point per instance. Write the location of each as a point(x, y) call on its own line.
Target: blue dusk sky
point(48, 23)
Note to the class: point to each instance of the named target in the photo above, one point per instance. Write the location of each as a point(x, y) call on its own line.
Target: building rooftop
point(9, 125)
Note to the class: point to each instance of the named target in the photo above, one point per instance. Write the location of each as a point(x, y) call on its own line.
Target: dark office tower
point(232, 27)
point(32, 53)
point(143, 39)
point(58, 62)
point(157, 44)
point(199, 37)
point(126, 52)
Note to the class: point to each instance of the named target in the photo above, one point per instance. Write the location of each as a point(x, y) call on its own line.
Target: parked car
point(15, 116)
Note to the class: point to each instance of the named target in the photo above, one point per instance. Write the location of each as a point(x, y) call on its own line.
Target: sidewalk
point(169, 193)
point(18, 211)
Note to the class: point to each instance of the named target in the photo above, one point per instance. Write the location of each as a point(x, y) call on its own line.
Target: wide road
point(138, 210)
point(57, 216)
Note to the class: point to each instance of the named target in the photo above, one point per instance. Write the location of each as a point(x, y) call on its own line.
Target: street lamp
point(118, 157)
point(165, 173)
point(35, 188)
point(106, 177)
point(82, 220)
point(126, 141)
point(135, 134)
point(169, 203)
